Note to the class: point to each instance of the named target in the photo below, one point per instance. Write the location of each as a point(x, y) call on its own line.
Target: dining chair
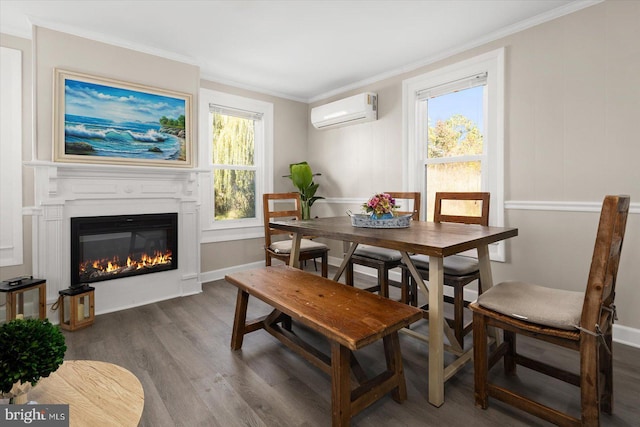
point(581, 321)
point(459, 270)
point(277, 242)
point(383, 259)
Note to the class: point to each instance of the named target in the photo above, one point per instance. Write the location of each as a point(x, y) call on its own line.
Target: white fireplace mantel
point(67, 190)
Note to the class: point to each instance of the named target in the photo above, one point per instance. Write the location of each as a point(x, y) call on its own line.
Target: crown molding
point(115, 41)
point(204, 75)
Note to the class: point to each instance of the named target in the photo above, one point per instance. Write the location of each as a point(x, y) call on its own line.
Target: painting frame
point(106, 121)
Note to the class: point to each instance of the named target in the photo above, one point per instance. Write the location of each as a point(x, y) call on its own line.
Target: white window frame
point(415, 154)
point(11, 244)
point(236, 229)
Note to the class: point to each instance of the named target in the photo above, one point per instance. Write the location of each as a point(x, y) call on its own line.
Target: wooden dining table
point(437, 240)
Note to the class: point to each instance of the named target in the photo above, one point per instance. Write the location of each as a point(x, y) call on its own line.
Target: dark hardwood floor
point(179, 349)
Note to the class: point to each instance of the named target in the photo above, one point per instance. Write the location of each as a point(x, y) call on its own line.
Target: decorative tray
point(365, 221)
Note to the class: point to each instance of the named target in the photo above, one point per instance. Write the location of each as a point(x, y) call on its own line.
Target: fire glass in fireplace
point(110, 247)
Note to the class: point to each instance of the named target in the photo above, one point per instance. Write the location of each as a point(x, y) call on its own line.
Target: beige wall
point(572, 98)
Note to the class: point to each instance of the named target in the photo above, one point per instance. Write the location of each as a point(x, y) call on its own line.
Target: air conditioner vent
point(354, 109)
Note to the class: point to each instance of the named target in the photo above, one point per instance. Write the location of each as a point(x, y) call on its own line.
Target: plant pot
point(306, 209)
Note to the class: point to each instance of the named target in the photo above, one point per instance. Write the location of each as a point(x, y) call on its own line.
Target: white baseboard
point(213, 275)
point(626, 335)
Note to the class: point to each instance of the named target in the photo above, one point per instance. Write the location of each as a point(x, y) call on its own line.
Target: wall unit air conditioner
point(354, 109)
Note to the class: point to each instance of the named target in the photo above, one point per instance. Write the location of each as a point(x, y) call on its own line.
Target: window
point(236, 146)
point(234, 167)
point(454, 141)
point(454, 137)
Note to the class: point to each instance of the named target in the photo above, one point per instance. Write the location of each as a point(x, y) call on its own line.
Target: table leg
point(438, 329)
point(484, 264)
point(436, 332)
point(486, 281)
point(294, 257)
point(345, 261)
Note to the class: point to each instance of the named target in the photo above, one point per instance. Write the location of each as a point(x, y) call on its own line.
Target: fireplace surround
point(64, 191)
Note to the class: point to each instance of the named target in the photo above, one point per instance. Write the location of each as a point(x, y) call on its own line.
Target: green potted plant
point(302, 178)
point(30, 349)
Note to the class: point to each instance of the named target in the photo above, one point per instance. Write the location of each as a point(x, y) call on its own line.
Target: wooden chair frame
point(457, 282)
point(382, 266)
point(295, 213)
point(592, 340)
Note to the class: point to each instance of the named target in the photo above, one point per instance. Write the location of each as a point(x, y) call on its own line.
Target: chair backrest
point(409, 202)
point(604, 263)
point(458, 205)
point(271, 212)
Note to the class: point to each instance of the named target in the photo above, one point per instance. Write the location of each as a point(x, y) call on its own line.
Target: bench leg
point(394, 364)
point(239, 320)
point(340, 385)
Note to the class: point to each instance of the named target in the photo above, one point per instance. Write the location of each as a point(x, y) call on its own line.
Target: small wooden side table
point(17, 293)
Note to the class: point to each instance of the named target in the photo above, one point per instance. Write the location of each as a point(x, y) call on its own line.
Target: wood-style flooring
point(179, 349)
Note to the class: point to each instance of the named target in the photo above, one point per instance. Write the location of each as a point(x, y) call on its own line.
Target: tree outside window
point(454, 146)
point(234, 176)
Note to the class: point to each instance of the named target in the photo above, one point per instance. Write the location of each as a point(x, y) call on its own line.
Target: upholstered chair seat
point(284, 246)
point(382, 254)
point(557, 308)
point(456, 265)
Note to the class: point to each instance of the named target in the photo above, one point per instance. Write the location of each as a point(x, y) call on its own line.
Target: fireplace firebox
point(111, 247)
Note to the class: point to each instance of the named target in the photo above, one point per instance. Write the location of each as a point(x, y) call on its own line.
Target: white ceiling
point(302, 50)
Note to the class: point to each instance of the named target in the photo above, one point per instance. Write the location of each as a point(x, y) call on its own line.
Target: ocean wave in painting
point(149, 136)
point(80, 131)
point(129, 140)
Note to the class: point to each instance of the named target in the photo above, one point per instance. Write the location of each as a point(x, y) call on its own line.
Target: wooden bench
point(349, 318)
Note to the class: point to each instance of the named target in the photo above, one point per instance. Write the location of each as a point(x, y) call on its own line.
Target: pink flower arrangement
point(381, 205)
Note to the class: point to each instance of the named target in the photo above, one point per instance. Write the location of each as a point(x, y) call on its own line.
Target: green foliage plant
point(302, 178)
point(30, 349)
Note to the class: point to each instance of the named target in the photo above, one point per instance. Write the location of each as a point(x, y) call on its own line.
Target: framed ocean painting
point(99, 120)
